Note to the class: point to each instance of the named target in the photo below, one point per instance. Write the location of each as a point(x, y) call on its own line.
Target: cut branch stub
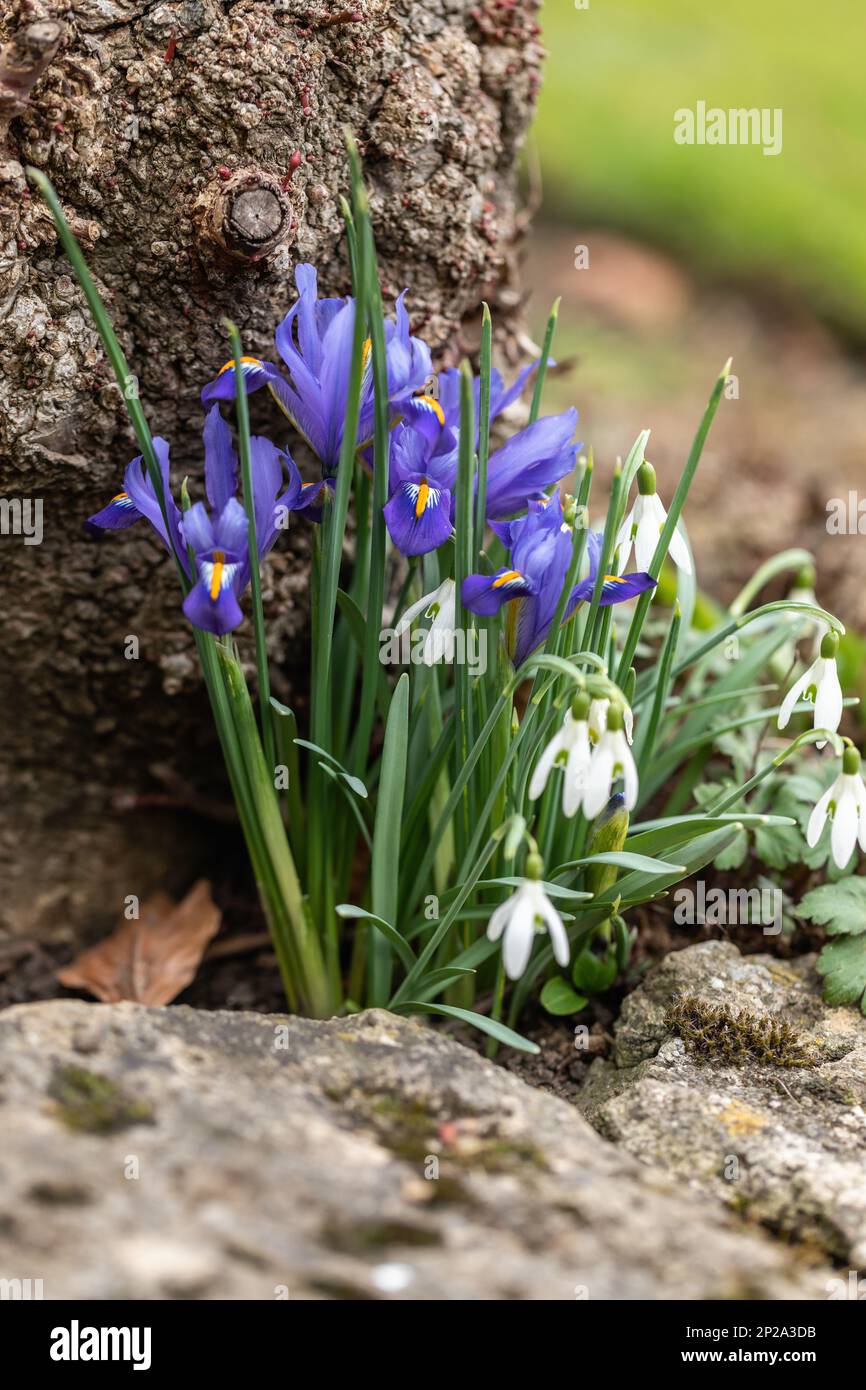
point(247, 214)
point(25, 57)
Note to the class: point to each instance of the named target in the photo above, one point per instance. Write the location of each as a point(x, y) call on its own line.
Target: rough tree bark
point(197, 146)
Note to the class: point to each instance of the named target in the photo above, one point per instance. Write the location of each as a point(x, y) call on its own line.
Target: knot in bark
point(247, 215)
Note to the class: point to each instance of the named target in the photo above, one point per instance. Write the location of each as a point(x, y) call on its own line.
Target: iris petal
point(418, 516)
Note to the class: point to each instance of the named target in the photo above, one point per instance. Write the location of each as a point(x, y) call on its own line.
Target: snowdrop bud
point(580, 706)
point(806, 578)
point(614, 717)
point(534, 867)
point(609, 835)
point(646, 480)
point(829, 645)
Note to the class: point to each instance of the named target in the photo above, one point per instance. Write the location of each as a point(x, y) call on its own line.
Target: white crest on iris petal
point(526, 913)
point(430, 497)
point(441, 607)
point(217, 574)
point(819, 685)
point(570, 749)
point(844, 803)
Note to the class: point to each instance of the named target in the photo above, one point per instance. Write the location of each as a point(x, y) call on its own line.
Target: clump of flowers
point(478, 804)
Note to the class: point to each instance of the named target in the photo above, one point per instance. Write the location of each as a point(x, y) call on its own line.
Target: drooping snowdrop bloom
point(521, 917)
point(569, 749)
point(440, 606)
point(643, 526)
point(540, 545)
point(820, 686)
point(844, 803)
point(611, 759)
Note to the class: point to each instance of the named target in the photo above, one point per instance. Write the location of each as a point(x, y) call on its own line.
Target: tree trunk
point(198, 150)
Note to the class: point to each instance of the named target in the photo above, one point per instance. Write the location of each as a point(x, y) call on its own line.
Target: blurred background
point(694, 253)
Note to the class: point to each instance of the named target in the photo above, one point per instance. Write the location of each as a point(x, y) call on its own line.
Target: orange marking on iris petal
point(219, 560)
point(365, 356)
point(120, 497)
point(421, 501)
point(245, 362)
point(613, 579)
point(432, 403)
point(506, 578)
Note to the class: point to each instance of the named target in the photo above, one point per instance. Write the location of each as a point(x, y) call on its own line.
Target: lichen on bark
point(198, 149)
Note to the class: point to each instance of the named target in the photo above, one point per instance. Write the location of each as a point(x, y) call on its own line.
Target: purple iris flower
point(443, 409)
point(138, 499)
point(423, 472)
point(540, 546)
point(217, 533)
point(419, 513)
point(315, 342)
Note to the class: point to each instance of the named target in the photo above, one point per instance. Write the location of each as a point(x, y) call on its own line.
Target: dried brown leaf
point(149, 961)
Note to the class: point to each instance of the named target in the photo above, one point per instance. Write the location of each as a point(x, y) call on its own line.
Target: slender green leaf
point(391, 934)
point(385, 868)
point(486, 1025)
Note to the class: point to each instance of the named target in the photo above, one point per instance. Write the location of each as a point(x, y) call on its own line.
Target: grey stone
point(782, 1144)
point(241, 1156)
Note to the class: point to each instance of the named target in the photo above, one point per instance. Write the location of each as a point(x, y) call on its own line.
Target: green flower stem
point(778, 564)
point(810, 736)
point(378, 531)
point(721, 634)
point(483, 431)
point(463, 552)
point(592, 628)
point(648, 728)
point(542, 365)
point(333, 528)
point(442, 930)
point(302, 943)
point(243, 417)
point(676, 507)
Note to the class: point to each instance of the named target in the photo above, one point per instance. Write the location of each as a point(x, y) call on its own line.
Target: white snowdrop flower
point(819, 686)
point(845, 805)
point(440, 606)
point(571, 750)
point(598, 720)
point(518, 920)
point(643, 526)
point(611, 759)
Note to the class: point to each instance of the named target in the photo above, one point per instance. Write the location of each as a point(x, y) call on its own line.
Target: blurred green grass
point(616, 72)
